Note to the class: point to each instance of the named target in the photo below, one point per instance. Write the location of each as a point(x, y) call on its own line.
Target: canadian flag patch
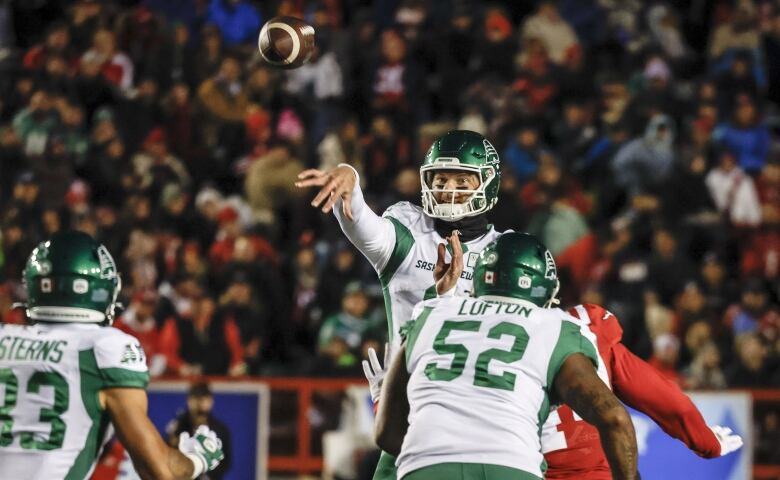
point(489, 277)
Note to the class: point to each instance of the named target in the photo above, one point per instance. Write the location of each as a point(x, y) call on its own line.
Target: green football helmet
point(517, 265)
point(71, 278)
point(466, 151)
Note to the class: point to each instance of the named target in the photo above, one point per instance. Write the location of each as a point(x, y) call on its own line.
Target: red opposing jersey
point(572, 447)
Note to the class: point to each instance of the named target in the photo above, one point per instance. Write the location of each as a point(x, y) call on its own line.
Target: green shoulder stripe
point(120, 377)
point(90, 387)
point(413, 331)
point(403, 244)
point(570, 341)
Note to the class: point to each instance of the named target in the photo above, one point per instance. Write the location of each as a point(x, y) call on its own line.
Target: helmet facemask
point(478, 200)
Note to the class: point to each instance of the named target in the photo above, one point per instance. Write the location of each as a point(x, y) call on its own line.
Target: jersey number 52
point(482, 378)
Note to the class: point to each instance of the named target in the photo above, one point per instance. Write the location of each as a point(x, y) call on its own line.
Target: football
point(286, 42)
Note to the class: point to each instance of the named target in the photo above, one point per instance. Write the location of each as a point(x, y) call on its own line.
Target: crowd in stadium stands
point(639, 140)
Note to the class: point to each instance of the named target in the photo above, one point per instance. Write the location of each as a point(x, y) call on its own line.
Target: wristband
point(199, 466)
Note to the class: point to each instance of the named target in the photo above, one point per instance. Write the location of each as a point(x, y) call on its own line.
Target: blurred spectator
point(750, 368)
point(343, 333)
point(34, 124)
point(343, 269)
point(237, 20)
point(395, 85)
point(686, 198)
point(239, 304)
point(664, 28)
point(387, 150)
point(656, 96)
point(668, 267)
point(56, 44)
point(704, 372)
point(200, 406)
point(115, 66)
point(269, 183)
point(210, 55)
point(734, 83)
point(522, 151)
point(322, 77)
point(558, 37)
point(666, 348)
point(647, 161)
point(754, 313)
point(156, 167)
point(138, 114)
point(552, 183)
point(224, 102)
point(746, 135)
point(342, 145)
point(496, 47)
point(201, 344)
point(739, 32)
point(733, 191)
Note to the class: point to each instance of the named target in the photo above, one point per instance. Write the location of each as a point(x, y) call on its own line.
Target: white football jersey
point(405, 245)
point(51, 422)
point(480, 375)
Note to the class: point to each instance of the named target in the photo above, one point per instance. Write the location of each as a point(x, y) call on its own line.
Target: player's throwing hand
point(334, 185)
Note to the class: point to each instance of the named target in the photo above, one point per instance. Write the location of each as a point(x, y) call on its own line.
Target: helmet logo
point(46, 285)
point(107, 265)
point(490, 278)
point(524, 282)
point(80, 286)
point(490, 152)
point(550, 272)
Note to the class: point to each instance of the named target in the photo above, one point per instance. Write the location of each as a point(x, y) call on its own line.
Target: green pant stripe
point(469, 471)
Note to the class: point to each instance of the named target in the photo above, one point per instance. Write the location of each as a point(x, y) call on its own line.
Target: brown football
point(286, 42)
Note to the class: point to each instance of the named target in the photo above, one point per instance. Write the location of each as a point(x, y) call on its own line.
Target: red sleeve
point(169, 345)
point(602, 322)
point(640, 386)
point(233, 340)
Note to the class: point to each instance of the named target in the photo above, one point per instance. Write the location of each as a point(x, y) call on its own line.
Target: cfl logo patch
point(524, 282)
point(490, 278)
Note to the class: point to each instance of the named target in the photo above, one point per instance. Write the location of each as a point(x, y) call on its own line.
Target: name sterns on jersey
point(25, 349)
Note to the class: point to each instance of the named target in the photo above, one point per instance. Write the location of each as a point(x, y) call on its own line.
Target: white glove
point(729, 441)
point(204, 449)
point(374, 372)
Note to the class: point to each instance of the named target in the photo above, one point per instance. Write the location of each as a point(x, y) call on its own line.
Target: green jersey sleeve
point(570, 341)
point(121, 361)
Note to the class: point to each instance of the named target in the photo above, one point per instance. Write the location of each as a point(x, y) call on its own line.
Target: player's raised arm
point(667, 405)
point(340, 191)
point(392, 418)
point(578, 386)
point(152, 458)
